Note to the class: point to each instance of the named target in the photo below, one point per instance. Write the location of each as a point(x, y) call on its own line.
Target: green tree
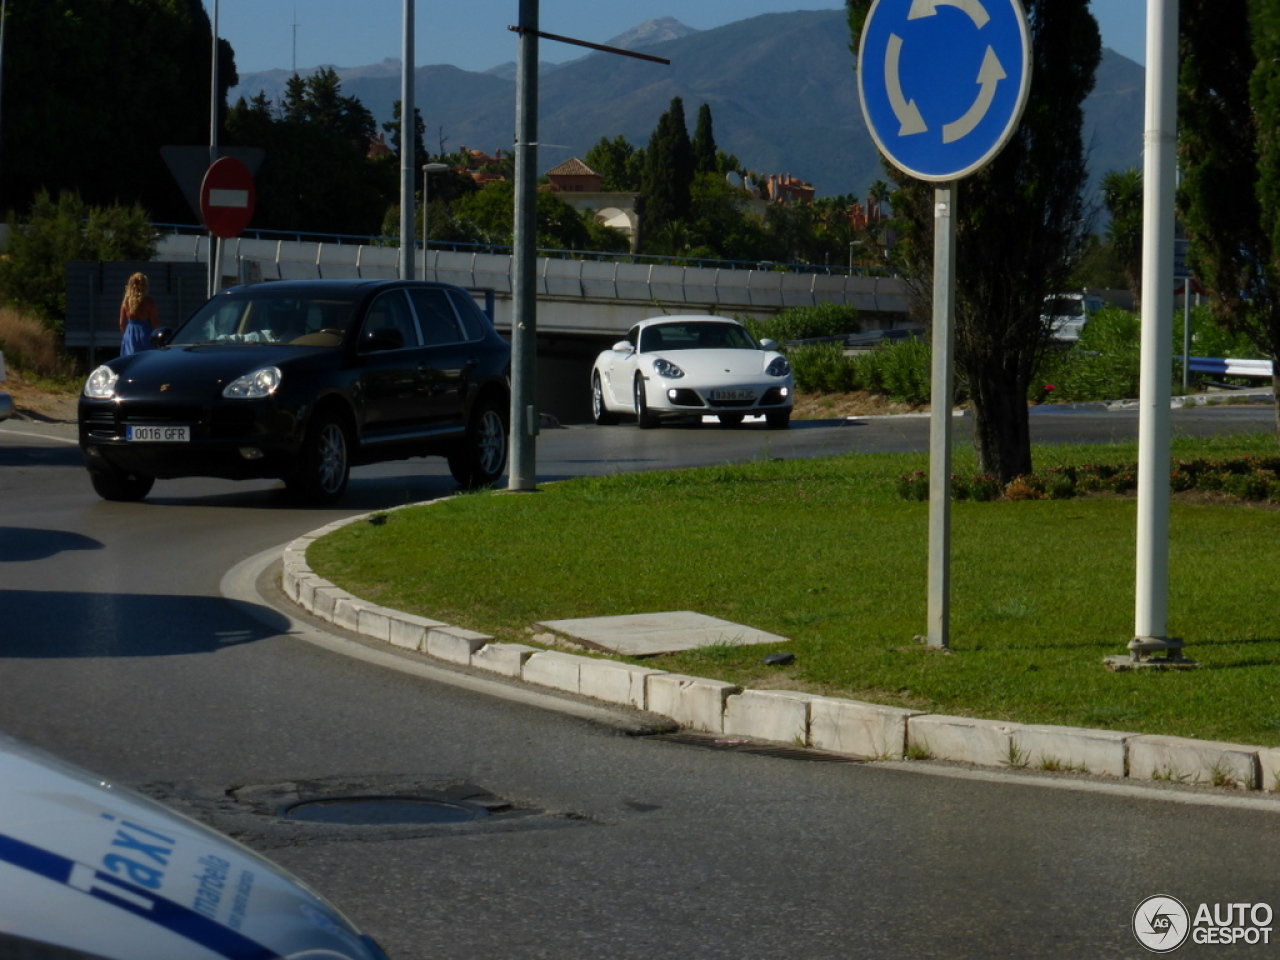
point(1229, 118)
point(491, 212)
point(615, 161)
point(392, 127)
point(1122, 194)
point(668, 170)
point(1021, 226)
point(94, 88)
point(55, 232)
point(721, 220)
point(704, 143)
point(317, 174)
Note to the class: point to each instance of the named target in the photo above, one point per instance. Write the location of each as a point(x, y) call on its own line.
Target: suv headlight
point(101, 384)
point(667, 369)
point(254, 386)
point(778, 367)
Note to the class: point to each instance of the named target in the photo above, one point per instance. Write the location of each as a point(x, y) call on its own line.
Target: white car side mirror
point(769, 344)
point(623, 346)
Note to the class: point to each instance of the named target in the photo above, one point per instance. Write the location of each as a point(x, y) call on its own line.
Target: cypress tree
point(669, 169)
point(704, 143)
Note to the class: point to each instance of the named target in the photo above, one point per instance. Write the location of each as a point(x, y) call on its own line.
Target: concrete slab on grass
point(652, 634)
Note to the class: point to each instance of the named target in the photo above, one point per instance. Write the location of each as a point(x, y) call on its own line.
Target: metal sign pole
point(903, 66)
point(942, 394)
point(408, 136)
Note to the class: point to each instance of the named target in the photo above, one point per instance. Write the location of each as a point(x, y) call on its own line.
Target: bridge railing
point(592, 278)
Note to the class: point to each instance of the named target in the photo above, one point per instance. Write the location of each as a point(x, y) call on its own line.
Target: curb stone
point(865, 730)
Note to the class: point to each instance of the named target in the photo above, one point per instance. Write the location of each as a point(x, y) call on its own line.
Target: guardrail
point(1229, 366)
point(731, 287)
point(393, 244)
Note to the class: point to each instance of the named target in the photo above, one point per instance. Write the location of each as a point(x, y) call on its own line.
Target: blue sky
point(473, 34)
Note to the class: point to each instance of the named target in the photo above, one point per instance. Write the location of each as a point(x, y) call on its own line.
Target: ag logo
point(1161, 924)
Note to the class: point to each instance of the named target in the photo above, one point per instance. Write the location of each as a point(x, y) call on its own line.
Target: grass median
point(827, 553)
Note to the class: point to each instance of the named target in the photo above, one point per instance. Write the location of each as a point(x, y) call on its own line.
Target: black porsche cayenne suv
point(301, 381)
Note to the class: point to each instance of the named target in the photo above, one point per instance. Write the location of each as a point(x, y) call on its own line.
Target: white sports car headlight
point(667, 370)
point(101, 384)
point(253, 386)
point(778, 367)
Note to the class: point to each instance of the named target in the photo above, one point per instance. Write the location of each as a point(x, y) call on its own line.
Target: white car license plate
point(733, 394)
point(158, 434)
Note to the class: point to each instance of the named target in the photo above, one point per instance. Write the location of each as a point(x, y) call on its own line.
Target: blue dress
point(137, 336)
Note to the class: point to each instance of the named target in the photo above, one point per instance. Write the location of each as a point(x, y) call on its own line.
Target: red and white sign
point(227, 198)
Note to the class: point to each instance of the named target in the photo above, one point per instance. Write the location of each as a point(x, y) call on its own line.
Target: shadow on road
point(58, 624)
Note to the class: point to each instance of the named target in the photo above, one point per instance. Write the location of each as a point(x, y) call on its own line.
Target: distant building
point(378, 147)
point(579, 186)
point(786, 189)
point(573, 176)
point(478, 163)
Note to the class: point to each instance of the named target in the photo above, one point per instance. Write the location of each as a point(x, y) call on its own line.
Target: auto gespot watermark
point(1162, 923)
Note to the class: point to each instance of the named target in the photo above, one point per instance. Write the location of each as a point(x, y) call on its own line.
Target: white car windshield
point(695, 335)
point(268, 318)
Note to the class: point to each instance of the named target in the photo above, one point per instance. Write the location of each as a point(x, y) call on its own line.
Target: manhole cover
point(376, 811)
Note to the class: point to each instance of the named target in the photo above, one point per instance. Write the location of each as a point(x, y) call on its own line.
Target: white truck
point(1069, 312)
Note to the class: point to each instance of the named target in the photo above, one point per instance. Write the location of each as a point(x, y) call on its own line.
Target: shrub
point(1025, 488)
point(806, 323)
point(823, 368)
point(984, 488)
point(33, 268)
point(899, 371)
point(914, 486)
point(31, 346)
point(1103, 365)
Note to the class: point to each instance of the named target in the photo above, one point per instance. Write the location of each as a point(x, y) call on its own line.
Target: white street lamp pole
point(427, 170)
point(1152, 586)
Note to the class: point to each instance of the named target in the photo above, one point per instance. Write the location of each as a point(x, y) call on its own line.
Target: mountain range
point(781, 88)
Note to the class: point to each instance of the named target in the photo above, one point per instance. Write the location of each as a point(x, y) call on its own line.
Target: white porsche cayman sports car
point(684, 366)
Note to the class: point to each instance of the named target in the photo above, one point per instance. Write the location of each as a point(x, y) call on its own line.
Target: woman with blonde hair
point(138, 315)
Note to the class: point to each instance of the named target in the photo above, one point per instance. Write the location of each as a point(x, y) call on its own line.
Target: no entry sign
point(227, 198)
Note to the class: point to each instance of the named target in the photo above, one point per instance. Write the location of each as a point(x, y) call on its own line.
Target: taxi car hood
point(91, 866)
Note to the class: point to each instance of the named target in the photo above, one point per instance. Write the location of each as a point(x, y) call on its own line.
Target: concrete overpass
point(584, 305)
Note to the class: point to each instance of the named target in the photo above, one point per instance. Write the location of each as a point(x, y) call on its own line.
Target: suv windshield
point(259, 316)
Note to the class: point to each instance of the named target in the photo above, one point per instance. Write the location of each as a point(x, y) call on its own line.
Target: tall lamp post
point(427, 170)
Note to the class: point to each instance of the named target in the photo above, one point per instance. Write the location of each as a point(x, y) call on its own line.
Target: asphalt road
point(119, 651)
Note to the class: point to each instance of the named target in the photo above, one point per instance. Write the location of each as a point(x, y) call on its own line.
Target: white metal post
point(942, 393)
point(1160, 170)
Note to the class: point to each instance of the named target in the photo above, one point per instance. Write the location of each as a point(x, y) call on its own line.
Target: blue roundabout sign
point(943, 82)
